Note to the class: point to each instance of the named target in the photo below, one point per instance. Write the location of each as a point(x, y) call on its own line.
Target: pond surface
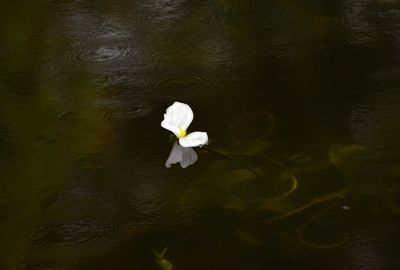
point(301, 102)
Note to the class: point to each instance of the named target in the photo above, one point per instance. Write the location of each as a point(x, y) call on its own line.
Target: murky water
point(301, 101)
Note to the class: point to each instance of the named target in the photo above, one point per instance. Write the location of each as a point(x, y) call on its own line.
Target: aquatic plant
point(161, 261)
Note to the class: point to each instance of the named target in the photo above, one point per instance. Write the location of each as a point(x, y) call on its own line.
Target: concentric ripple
point(101, 54)
point(100, 50)
point(68, 234)
point(124, 109)
point(187, 83)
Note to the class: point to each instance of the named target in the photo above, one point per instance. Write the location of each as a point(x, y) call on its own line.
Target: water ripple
point(123, 108)
point(383, 79)
point(217, 19)
point(356, 22)
point(161, 13)
point(42, 266)
point(368, 21)
point(187, 83)
point(68, 234)
point(101, 54)
point(102, 49)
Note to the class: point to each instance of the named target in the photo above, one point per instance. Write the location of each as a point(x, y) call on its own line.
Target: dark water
point(301, 101)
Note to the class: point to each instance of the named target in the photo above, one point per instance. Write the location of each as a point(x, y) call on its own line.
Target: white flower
point(177, 119)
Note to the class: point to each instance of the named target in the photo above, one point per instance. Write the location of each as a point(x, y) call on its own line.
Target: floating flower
point(177, 119)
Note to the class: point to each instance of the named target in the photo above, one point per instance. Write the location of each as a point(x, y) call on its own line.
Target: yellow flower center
point(182, 133)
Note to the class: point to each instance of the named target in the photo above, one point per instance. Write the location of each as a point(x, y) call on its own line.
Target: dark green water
point(301, 101)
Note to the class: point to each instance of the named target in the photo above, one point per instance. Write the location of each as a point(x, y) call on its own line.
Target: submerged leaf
point(362, 169)
point(248, 238)
point(279, 205)
point(240, 175)
point(250, 147)
point(255, 125)
point(161, 261)
point(233, 203)
point(346, 157)
point(307, 159)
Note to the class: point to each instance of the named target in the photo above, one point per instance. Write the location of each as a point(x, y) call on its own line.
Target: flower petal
point(194, 139)
point(177, 118)
point(175, 155)
point(186, 156)
point(174, 129)
point(189, 157)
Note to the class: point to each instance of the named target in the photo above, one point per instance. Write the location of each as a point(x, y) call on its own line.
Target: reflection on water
point(185, 156)
point(301, 99)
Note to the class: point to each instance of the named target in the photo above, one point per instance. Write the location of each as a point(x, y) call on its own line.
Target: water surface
point(300, 100)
